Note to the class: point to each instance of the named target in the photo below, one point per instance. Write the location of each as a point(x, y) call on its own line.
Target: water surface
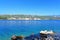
point(22, 27)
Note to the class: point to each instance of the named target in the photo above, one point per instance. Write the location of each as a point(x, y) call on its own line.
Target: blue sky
point(30, 7)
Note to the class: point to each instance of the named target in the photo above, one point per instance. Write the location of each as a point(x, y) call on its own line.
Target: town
point(28, 17)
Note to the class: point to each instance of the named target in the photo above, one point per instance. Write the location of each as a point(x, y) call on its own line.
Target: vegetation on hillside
point(31, 16)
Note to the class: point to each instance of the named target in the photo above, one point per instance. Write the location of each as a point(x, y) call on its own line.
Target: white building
point(12, 18)
point(37, 19)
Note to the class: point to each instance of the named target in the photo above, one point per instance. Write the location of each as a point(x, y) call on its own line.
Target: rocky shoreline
point(43, 35)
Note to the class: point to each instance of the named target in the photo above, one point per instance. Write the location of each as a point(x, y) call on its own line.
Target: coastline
point(28, 17)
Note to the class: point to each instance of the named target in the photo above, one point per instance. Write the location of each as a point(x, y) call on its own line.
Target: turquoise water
point(25, 28)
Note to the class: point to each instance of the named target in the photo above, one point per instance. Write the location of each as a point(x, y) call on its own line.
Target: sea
point(26, 27)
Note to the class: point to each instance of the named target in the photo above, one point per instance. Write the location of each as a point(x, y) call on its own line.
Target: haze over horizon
point(30, 7)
